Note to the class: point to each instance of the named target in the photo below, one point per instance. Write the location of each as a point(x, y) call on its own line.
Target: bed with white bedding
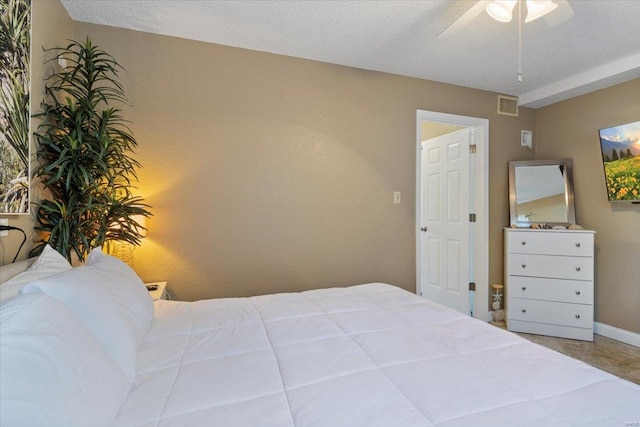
point(367, 355)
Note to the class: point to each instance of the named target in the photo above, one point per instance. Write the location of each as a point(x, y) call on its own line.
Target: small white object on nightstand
point(160, 292)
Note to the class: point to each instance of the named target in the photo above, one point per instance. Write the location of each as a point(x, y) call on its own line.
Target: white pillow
point(109, 299)
point(53, 371)
point(49, 262)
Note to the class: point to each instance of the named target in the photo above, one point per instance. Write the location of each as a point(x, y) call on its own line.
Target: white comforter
point(369, 355)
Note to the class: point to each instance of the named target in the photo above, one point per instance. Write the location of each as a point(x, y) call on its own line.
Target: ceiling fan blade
point(465, 19)
point(562, 13)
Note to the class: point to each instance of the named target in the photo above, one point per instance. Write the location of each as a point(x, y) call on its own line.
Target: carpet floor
point(604, 353)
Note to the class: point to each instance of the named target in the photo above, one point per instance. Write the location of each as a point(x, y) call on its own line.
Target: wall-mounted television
point(620, 147)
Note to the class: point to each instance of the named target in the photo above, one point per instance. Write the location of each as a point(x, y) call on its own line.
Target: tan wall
point(51, 26)
point(429, 130)
point(269, 173)
point(569, 129)
point(551, 209)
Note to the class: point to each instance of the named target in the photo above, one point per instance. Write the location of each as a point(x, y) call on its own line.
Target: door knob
point(423, 228)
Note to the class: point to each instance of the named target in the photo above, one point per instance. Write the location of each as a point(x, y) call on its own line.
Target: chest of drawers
point(549, 282)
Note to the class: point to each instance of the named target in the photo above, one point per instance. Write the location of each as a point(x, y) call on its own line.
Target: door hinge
point(472, 217)
point(472, 148)
point(472, 286)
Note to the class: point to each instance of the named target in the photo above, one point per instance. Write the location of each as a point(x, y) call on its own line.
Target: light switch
point(396, 197)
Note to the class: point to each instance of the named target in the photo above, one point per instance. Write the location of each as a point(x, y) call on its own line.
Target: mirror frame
point(568, 191)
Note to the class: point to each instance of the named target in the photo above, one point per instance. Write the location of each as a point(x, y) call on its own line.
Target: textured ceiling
point(598, 47)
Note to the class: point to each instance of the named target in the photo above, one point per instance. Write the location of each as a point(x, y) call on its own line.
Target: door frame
point(480, 191)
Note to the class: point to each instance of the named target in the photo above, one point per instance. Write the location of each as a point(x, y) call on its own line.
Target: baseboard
point(617, 334)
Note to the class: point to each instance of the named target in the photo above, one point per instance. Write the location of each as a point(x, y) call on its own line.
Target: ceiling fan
point(554, 13)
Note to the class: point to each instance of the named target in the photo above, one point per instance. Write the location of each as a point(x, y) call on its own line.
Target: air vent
point(508, 105)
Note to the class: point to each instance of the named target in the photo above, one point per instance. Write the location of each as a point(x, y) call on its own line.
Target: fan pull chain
point(520, 41)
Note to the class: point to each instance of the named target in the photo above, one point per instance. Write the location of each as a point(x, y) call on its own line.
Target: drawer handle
point(524, 310)
point(524, 288)
point(524, 243)
point(577, 268)
point(577, 245)
point(524, 265)
point(577, 316)
point(577, 292)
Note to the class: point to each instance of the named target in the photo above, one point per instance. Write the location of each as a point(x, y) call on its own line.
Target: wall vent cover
point(508, 105)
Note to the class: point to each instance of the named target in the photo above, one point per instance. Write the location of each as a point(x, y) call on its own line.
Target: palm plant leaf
point(14, 124)
point(14, 77)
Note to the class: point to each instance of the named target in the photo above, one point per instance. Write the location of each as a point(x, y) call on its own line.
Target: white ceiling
point(598, 47)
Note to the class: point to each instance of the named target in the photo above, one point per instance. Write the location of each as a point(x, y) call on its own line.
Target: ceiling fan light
point(538, 8)
point(501, 10)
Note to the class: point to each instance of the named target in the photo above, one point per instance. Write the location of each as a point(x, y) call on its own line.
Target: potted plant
point(85, 151)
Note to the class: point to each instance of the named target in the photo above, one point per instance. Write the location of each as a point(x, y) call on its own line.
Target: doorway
point(452, 211)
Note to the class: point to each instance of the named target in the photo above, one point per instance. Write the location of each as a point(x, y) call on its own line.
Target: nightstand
point(160, 292)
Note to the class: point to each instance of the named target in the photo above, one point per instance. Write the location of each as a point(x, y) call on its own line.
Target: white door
point(444, 220)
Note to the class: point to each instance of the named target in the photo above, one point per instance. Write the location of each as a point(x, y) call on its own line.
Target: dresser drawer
point(555, 313)
point(550, 243)
point(560, 267)
point(585, 334)
point(573, 291)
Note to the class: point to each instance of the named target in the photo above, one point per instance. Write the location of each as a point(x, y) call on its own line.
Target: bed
point(86, 346)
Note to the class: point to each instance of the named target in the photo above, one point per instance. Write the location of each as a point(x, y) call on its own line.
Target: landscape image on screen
point(621, 157)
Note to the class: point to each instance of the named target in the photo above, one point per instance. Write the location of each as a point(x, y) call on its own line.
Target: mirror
point(541, 191)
